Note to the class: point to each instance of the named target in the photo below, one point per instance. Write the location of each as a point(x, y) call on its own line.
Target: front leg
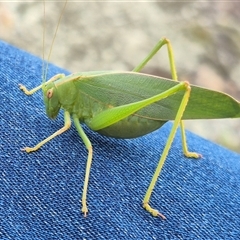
point(67, 124)
point(32, 91)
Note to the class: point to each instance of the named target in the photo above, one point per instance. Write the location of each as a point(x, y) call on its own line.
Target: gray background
point(118, 35)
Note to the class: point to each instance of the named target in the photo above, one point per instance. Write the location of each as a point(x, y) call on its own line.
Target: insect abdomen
point(131, 127)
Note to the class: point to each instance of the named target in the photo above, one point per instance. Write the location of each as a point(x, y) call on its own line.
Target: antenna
point(44, 72)
point(43, 43)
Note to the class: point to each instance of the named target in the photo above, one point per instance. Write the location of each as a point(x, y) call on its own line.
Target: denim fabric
point(40, 192)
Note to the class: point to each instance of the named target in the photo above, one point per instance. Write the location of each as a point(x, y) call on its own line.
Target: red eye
point(49, 93)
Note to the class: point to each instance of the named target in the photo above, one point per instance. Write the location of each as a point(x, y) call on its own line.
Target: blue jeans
point(40, 191)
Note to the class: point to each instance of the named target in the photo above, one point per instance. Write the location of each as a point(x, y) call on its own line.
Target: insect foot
point(192, 155)
point(153, 211)
point(24, 89)
point(84, 209)
point(28, 149)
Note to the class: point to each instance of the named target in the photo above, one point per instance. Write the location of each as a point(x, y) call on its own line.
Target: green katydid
point(128, 105)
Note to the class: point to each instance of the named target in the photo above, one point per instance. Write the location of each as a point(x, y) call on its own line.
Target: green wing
point(119, 88)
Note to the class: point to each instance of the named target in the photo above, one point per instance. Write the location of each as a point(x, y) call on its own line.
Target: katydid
point(129, 104)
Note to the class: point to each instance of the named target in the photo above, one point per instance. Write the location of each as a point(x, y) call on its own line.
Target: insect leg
point(32, 91)
point(176, 122)
point(67, 124)
point(115, 114)
point(156, 48)
point(174, 77)
point(162, 42)
point(89, 162)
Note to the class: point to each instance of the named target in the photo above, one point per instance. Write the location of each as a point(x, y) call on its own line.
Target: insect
point(130, 104)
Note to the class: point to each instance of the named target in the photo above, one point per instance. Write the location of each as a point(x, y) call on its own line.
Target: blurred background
point(118, 35)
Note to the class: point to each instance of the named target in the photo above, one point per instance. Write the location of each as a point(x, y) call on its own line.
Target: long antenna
point(43, 42)
point(54, 37)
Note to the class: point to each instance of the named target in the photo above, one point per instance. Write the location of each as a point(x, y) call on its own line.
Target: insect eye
point(49, 93)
